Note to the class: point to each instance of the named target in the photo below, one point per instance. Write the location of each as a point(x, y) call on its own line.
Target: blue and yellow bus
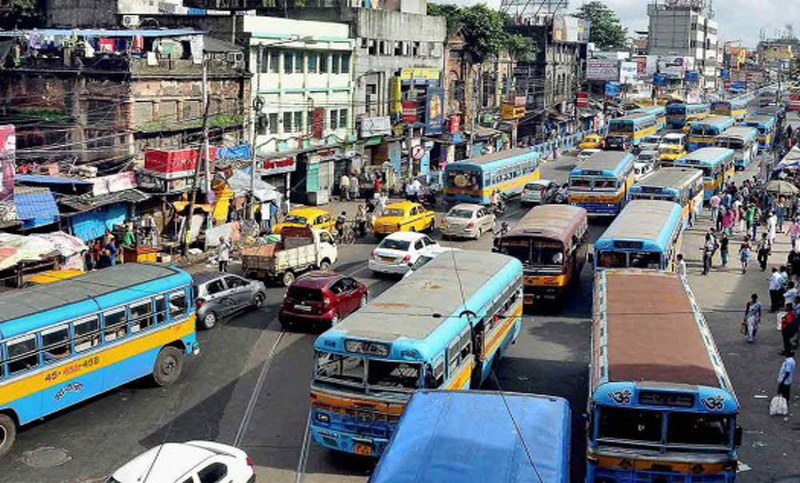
point(631, 128)
point(600, 184)
point(683, 186)
point(679, 114)
point(735, 108)
point(765, 125)
point(647, 234)
point(659, 112)
point(716, 164)
point(425, 332)
point(475, 179)
point(67, 341)
point(704, 133)
point(661, 405)
point(743, 140)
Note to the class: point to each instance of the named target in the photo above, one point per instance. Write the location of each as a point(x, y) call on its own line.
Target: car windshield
point(652, 139)
point(298, 220)
point(461, 213)
point(646, 157)
point(626, 127)
point(391, 244)
point(393, 212)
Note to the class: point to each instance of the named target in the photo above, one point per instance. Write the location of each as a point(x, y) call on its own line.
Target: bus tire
point(8, 434)
point(168, 366)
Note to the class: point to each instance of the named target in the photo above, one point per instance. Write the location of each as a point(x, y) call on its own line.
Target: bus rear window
point(630, 424)
point(650, 260)
point(701, 429)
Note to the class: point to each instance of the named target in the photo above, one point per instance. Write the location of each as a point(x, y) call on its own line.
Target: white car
point(673, 139)
point(650, 143)
point(640, 170)
point(647, 157)
point(192, 461)
point(586, 154)
point(467, 220)
point(397, 251)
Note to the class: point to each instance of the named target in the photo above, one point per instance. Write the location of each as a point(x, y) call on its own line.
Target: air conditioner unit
point(130, 21)
point(235, 57)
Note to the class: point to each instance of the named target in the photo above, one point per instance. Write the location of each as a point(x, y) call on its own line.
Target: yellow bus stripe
point(492, 343)
point(57, 373)
point(461, 381)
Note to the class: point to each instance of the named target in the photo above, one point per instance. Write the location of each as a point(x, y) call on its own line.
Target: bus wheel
point(169, 365)
point(8, 434)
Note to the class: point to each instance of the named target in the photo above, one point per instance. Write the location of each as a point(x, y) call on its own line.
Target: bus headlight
point(323, 418)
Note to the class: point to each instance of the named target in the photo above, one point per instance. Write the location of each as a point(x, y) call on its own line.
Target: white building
point(302, 85)
point(685, 31)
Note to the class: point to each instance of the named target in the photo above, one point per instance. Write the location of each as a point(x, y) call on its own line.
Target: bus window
point(438, 374)
point(87, 334)
point(389, 374)
point(646, 260)
point(177, 304)
point(693, 428)
point(55, 343)
point(116, 325)
point(161, 309)
point(518, 249)
point(630, 424)
point(346, 369)
point(22, 354)
point(612, 260)
point(141, 316)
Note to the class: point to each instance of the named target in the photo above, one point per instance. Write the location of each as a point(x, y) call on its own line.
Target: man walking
point(223, 254)
point(713, 204)
point(788, 329)
point(344, 187)
point(775, 290)
point(763, 251)
point(786, 376)
point(680, 267)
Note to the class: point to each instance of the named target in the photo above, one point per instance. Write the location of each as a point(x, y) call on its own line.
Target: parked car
point(592, 141)
point(648, 157)
point(322, 298)
point(404, 216)
point(300, 249)
point(398, 250)
point(650, 143)
point(193, 461)
point(219, 295)
point(467, 220)
point(301, 217)
point(539, 192)
point(586, 154)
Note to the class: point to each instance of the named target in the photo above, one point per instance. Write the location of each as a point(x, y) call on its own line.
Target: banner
point(434, 111)
point(627, 72)
point(8, 152)
point(318, 122)
point(376, 126)
point(570, 30)
point(602, 69)
point(410, 111)
point(612, 89)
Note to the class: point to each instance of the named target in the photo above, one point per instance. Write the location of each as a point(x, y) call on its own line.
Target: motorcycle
point(499, 208)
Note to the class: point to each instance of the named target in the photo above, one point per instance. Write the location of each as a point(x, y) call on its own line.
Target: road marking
point(251, 405)
point(353, 272)
point(301, 464)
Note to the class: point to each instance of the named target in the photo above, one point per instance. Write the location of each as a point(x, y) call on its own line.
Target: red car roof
point(316, 279)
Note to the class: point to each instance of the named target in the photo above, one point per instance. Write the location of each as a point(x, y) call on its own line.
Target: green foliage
point(451, 14)
point(20, 14)
point(521, 48)
point(606, 31)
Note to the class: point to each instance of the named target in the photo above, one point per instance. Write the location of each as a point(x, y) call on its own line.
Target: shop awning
point(88, 202)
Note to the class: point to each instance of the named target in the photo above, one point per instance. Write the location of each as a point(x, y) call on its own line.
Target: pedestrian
point(793, 260)
point(794, 232)
point(752, 318)
point(713, 205)
point(691, 212)
point(790, 295)
point(786, 376)
point(361, 220)
point(745, 251)
point(376, 183)
point(709, 247)
point(723, 249)
point(223, 253)
point(763, 251)
point(727, 221)
point(784, 279)
point(344, 187)
point(740, 217)
point(111, 250)
point(749, 217)
point(355, 190)
point(775, 290)
point(680, 266)
point(772, 228)
point(788, 329)
point(780, 213)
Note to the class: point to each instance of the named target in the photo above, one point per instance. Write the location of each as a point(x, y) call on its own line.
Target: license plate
point(362, 449)
point(387, 259)
point(304, 308)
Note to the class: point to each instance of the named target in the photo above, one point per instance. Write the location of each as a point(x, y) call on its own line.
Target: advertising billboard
point(674, 66)
point(602, 69)
point(434, 111)
point(8, 148)
point(627, 72)
point(570, 30)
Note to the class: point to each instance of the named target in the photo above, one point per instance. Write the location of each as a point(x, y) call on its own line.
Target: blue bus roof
point(706, 156)
point(490, 161)
point(683, 105)
point(422, 313)
point(667, 178)
point(759, 121)
point(469, 436)
point(652, 222)
point(746, 133)
point(33, 308)
point(609, 163)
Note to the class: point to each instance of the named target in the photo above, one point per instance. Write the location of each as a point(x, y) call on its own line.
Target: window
point(335, 59)
point(346, 369)
point(466, 345)
point(373, 47)
point(418, 245)
point(298, 62)
point(630, 424)
point(392, 375)
point(272, 125)
point(287, 122)
point(234, 282)
point(177, 304)
point(22, 354)
point(323, 63)
point(334, 118)
point(312, 62)
point(288, 63)
point(346, 63)
point(298, 121)
point(338, 287)
point(215, 287)
point(342, 118)
point(161, 309)
point(212, 473)
point(452, 357)
point(55, 343)
point(692, 428)
point(115, 325)
point(398, 47)
point(141, 316)
point(87, 334)
point(274, 60)
point(438, 373)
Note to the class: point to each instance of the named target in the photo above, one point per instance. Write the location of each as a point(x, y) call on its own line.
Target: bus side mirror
point(590, 258)
point(737, 437)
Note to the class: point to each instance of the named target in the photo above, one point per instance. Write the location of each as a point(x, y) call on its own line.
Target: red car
point(322, 298)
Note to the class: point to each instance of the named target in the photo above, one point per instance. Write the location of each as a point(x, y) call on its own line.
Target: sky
point(738, 19)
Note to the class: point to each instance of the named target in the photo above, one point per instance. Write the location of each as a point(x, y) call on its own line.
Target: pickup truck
point(300, 249)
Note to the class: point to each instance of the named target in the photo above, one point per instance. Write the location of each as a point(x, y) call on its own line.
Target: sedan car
point(467, 221)
point(193, 461)
point(395, 252)
point(404, 216)
point(322, 298)
point(592, 141)
point(219, 295)
point(539, 192)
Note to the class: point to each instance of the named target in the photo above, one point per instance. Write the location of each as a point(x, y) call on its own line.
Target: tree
point(520, 48)
point(19, 14)
point(451, 14)
point(606, 30)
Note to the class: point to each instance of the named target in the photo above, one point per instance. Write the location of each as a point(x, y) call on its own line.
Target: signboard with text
point(318, 122)
point(376, 126)
point(602, 69)
point(277, 166)
point(410, 114)
point(510, 112)
point(570, 30)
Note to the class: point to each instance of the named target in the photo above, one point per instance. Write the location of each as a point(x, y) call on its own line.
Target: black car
point(219, 295)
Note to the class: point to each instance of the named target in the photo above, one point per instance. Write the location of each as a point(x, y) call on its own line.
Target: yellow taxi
point(404, 216)
point(671, 152)
point(300, 217)
point(592, 141)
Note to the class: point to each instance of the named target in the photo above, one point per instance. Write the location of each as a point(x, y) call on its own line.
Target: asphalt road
point(249, 386)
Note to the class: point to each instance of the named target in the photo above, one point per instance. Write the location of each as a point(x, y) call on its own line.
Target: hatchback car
point(467, 221)
point(219, 295)
point(193, 461)
point(648, 157)
point(395, 252)
point(322, 298)
point(539, 192)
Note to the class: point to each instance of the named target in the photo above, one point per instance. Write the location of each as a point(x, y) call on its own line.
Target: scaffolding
point(703, 7)
point(533, 12)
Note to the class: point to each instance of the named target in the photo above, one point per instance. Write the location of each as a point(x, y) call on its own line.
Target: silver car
point(467, 221)
point(219, 295)
point(539, 192)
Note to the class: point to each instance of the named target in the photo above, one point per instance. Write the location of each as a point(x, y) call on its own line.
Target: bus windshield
point(353, 370)
point(463, 179)
point(598, 183)
point(683, 429)
point(730, 143)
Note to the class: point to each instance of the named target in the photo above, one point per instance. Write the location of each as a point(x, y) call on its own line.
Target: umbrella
point(782, 187)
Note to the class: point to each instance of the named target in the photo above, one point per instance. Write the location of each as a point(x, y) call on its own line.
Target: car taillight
point(250, 461)
point(199, 303)
point(471, 224)
point(372, 255)
point(406, 258)
point(327, 301)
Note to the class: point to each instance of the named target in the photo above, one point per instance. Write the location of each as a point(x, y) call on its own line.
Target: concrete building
point(775, 54)
point(684, 29)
